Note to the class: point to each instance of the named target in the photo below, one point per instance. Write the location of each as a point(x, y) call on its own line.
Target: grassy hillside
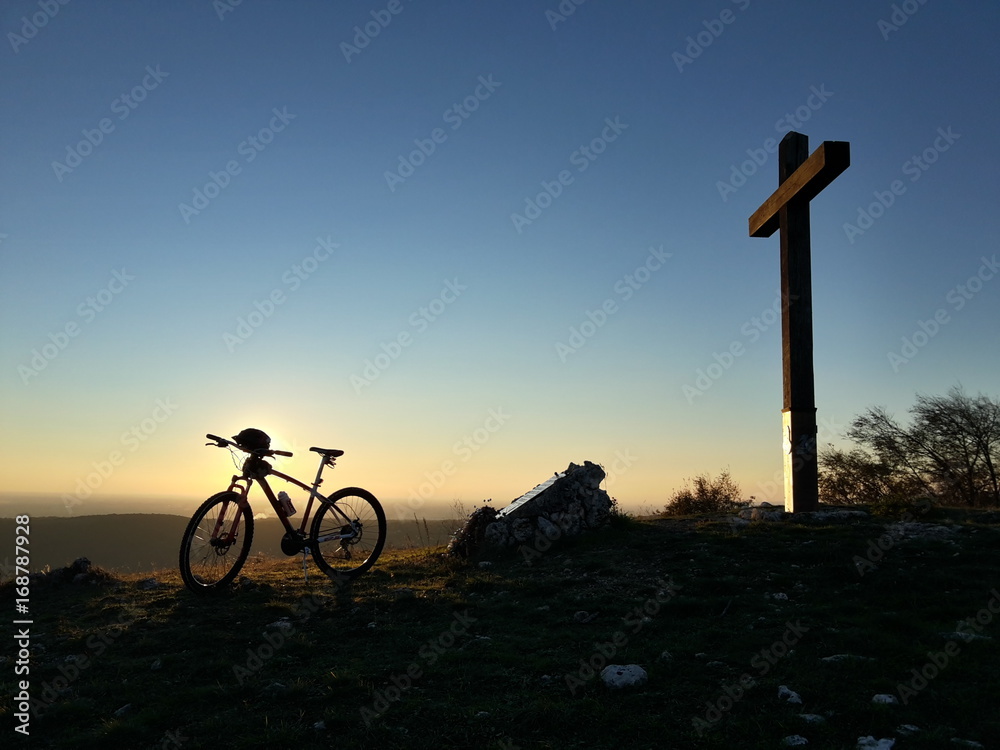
point(427, 652)
point(144, 542)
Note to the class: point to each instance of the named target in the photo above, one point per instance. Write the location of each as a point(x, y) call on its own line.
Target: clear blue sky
point(352, 198)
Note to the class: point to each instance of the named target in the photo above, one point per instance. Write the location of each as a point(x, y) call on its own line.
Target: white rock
point(620, 676)
point(870, 743)
point(812, 718)
point(885, 698)
point(966, 743)
point(789, 695)
point(845, 657)
point(907, 729)
point(794, 739)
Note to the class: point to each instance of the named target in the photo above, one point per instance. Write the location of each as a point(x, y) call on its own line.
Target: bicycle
point(346, 537)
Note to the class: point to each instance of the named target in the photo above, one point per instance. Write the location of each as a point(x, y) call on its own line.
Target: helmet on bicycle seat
point(253, 440)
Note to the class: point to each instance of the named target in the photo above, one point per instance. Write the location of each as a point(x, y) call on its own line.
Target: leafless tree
point(950, 451)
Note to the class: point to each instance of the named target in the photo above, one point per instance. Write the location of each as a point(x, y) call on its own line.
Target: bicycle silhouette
point(345, 539)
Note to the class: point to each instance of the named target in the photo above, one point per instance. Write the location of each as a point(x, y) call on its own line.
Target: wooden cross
point(800, 179)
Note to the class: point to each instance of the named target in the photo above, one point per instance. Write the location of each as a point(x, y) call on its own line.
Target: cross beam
point(801, 178)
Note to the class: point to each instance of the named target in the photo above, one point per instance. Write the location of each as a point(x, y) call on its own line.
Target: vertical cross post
point(801, 177)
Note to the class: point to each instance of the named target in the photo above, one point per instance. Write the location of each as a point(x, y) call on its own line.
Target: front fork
point(220, 536)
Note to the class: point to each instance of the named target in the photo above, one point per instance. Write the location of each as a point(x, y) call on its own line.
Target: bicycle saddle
point(328, 452)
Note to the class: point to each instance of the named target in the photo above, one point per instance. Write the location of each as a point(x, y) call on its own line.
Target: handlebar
point(221, 442)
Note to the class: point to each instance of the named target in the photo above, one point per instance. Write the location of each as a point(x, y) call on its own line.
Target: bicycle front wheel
point(348, 533)
point(216, 542)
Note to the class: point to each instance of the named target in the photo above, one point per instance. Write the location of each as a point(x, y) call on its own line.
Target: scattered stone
point(482, 714)
point(845, 657)
point(666, 656)
point(779, 597)
point(812, 718)
point(320, 726)
point(147, 584)
point(789, 695)
point(157, 664)
point(371, 626)
point(617, 676)
point(584, 617)
point(966, 743)
point(907, 729)
point(72, 659)
point(485, 564)
point(885, 699)
point(914, 530)
point(283, 624)
point(762, 513)
point(870, 743)
point(275, 688)
point(794, 739)
point(123, 710)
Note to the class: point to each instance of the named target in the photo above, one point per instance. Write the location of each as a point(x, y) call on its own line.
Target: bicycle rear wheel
point(348, 533)
point(211, 554)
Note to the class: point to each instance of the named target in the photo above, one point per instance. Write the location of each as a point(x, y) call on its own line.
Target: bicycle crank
point(292, 544)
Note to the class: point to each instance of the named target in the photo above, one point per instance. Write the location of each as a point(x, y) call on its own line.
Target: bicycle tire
point(341, 559)
point(207, 566)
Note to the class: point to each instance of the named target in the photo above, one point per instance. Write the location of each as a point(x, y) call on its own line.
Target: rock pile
point(566, 505)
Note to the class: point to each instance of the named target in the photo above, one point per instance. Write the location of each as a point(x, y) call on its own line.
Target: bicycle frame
point(256, 469)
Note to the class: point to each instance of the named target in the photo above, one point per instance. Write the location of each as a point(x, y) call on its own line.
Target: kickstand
point(305, 569)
